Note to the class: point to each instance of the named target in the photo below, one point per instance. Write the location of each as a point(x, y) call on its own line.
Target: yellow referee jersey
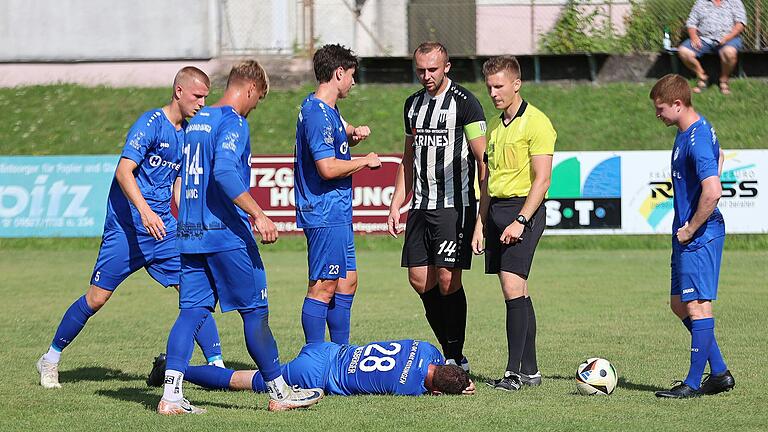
point(510, 147)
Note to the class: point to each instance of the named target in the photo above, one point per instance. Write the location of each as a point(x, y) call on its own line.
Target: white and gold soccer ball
point(596, 376)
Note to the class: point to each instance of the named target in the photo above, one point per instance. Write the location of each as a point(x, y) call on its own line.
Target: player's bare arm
point(332, 168)
point(720, 160)
point(541, 165)
point(478, 246)
point(261, 223)
point(177, 191)
point(124, 176)
point(711, 190)
point(403, 186)
point(477, 147)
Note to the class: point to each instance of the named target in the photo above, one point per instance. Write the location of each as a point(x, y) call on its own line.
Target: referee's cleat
point(714, 384)
point(296, 398)
point(679, 391)
point(157, 374)
point(531, 380)
point(510, 382)
point(166, 407)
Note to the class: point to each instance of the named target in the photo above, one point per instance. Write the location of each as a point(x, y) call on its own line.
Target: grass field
point(610, 303)
point(67, 119)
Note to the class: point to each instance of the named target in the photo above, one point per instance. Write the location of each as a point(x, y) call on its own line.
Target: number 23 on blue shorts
point(330, 252)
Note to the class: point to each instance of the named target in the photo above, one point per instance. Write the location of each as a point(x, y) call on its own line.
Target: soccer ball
point(596, 376)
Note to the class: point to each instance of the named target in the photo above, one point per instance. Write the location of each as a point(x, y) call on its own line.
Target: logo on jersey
point(328, 134)
point(165, 145)
point(677, 153)
point(230, 141)
point(343, 148)
point(156, 161)
point(135, 141)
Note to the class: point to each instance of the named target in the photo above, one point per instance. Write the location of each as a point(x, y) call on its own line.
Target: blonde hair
point(189, 73)
point(250, 71)
point(497, 64)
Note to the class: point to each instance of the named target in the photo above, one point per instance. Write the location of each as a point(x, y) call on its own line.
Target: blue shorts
point(234, 278)
point(121, 254)
point(695, 273)
point(330, 252)
point(310, 369)
point(707, 48)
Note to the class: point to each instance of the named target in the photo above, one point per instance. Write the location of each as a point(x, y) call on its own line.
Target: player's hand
point(393, 222)
point(477, 239)
point(470, 390)
point(513, 233)
point(373, 161)
point(266, 228)
point(684, 234)
point(154, 225)
point(360, 133)
point(696, 42)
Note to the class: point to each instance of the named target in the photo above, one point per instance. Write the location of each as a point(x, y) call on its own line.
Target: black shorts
point(441, 237)
point(513, 258)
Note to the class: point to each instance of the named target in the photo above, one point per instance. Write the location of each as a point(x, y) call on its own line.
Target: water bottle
point(667, 40)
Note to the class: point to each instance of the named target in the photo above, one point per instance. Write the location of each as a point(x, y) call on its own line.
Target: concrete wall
point(93, 30)
point(382, 28)
point(516, 26)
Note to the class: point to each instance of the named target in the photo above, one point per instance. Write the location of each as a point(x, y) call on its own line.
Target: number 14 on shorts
point(447, 246)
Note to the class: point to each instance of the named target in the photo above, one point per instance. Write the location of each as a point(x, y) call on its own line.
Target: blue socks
point(313, 316)
point(181, 338)
point(260, 342)
point(211, 377)
point(72, 322)
point(702, 336)
point(339, 315)
point(717, 364)
point(208, 340)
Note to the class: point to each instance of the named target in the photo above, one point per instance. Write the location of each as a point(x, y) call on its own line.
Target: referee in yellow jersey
point(512, 215)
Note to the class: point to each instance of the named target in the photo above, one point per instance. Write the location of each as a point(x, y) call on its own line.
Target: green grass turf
point(66, 119)
point(609, 303)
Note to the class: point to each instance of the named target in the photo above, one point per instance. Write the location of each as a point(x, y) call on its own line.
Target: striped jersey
point(444, 166)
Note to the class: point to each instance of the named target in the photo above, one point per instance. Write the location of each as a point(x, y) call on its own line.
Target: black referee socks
point(517, 328)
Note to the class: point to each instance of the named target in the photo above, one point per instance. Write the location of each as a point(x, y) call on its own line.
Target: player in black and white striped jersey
point(443, 152)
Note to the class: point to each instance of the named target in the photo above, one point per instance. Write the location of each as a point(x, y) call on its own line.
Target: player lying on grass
point(400, 367)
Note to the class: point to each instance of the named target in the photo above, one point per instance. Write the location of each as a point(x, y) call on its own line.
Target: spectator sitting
point(713, 26)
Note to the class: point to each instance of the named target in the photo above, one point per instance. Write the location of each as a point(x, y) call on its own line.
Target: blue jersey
point(216, 156)
point(320, 134)
point(695, 158)
point(392, 367)
point(155, 145)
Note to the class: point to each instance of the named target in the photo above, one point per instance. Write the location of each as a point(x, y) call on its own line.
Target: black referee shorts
point(513, 258)
point(441, 237)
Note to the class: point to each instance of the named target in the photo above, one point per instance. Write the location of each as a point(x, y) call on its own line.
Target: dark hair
point(331, 57)
point(429, 46)
point(497, 64)
point(669, 88)
point(250, 71)
point(450, 379)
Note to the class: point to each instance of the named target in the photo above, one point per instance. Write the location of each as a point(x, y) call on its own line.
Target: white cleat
point(183, 406)
point(49, 373)
point(296, 398)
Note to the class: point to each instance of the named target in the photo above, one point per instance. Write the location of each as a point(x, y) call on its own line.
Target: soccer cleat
point(157, 374)
point(510, 382)
point(464, 363)
point(531, 380)
point(296, 398)
point(49, 373)
point(714, 384)
point(679, 391)
point(166, 407)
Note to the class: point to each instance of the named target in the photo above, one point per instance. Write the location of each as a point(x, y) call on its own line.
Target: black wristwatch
point(520, 218)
